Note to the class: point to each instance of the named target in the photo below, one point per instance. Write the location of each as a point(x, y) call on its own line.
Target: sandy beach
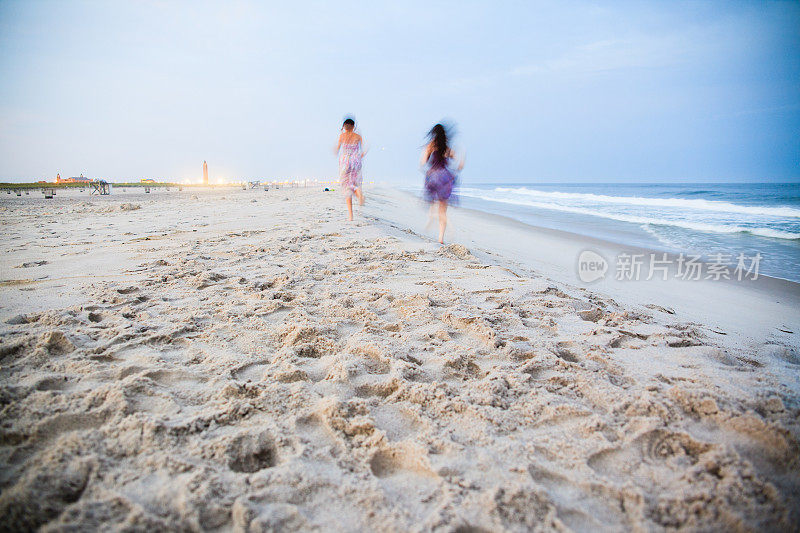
point(230, 360)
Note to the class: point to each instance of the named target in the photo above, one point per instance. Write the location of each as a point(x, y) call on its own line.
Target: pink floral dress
point(350, 167)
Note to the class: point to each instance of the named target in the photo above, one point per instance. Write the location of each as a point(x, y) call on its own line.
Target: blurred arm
point(426, 154)
point(338, 145)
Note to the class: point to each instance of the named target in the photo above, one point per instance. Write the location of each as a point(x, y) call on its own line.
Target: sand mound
point(456, 250)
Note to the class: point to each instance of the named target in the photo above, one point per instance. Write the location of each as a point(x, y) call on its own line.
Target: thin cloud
point(610, 55)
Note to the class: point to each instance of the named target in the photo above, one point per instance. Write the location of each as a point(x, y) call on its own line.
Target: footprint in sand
point(404, 460)
point(376, 389)
point(396, 422)
point(251, 371)
point(787, 354)
point(54, 383)
point(315, 434)
point(251, 452)
point(175, 378)
point(581, 505)
point(53, 426)
point(128, 290)
point(566, 350)
point(659, 449)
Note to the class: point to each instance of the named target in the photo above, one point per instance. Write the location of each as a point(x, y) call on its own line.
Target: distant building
point(79, 179)
point(205, 173)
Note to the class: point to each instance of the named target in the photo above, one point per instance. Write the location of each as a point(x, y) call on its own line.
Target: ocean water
point(699, 219)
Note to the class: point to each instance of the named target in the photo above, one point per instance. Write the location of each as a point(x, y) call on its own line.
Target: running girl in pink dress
point(351, 152)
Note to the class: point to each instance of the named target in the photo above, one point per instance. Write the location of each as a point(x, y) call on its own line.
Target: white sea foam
point(681, 203)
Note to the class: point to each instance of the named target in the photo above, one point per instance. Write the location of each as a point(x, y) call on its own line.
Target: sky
point(560, 91)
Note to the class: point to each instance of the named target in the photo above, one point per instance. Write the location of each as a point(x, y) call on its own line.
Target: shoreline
point(598, 241)
point(782, 283)
point(743, 218)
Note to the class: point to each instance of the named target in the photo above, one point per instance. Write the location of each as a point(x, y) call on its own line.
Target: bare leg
point(360, 196)
point(442, 220)
point(430, 216)
point(349, 203)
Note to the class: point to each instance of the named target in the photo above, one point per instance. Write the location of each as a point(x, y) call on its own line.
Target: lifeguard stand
point(100, 187)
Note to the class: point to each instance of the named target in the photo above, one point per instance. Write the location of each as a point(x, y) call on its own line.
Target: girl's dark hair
point(349, 122)
point(438, 136)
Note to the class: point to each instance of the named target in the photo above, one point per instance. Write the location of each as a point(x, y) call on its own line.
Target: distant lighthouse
point(205, 173)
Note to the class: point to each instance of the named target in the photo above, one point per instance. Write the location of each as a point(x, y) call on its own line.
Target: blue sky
point(540, 91)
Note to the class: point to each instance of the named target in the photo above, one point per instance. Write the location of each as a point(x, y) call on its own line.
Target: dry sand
point(249, 361)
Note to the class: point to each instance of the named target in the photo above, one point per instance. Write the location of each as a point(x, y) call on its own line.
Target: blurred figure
point(439, 179)
point(351, 152)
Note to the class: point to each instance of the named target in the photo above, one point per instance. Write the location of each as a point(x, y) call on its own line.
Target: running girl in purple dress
point(351, 152)
point(439, 179)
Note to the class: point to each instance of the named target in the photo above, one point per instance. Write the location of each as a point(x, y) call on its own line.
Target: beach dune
point(248, 361)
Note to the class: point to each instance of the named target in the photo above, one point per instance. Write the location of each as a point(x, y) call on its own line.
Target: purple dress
point(439, 180)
